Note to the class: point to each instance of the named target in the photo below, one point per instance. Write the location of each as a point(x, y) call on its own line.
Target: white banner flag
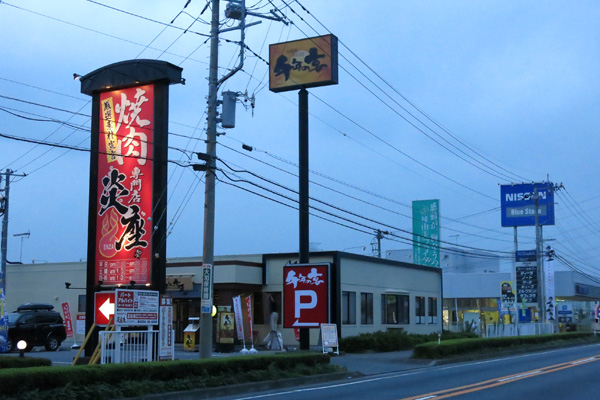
point(239, 319)
point(550, 298)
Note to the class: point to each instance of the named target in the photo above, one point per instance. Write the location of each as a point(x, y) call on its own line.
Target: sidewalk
point(363, 363)
point(379, 363)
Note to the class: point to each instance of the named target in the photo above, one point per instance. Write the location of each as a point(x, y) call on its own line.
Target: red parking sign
point(305, 295)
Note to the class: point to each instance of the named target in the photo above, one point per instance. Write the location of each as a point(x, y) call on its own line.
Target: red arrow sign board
point(104, 307)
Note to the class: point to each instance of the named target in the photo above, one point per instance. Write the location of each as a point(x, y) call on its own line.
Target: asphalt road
point(570, 373)
point(567, 373)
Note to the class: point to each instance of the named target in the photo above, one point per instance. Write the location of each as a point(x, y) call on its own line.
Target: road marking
point(425, 398)
point(519, 376)
point(416, 372)
point(584, 360)
point(491, 383)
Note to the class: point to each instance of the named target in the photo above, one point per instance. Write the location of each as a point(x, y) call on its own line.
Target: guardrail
point(119, 347)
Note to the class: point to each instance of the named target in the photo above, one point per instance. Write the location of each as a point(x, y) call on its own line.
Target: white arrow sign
point(297, 323)
point(107, 309)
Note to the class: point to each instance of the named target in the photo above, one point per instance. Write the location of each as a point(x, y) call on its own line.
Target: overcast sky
point(436, 100)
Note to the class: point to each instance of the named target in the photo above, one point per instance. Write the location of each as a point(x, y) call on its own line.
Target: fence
point(526, 329)
point(120, 347)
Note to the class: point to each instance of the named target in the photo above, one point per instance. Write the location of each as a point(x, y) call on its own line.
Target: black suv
point(37, 325)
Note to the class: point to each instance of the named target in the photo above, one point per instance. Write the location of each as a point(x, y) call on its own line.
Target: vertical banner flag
point(249, 310)
point(426, 232)
point(550, 297)
point(68, 320)
point(124, 204)
point(239, 319)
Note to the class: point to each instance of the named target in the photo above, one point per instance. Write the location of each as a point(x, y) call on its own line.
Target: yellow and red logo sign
point(303, 63)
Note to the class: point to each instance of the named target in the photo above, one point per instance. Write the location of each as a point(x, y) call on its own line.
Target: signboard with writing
point(124, 204)
point(507, 296)
point(527, 283)
point(166, 346)
point(329, 338)
point(206, 301)
point(426, 232)
point(565, 313)
point(305, 295)
point(136, 307)
point(517, 203)
point(80, 324)
point(303, 63)
point(525, 256)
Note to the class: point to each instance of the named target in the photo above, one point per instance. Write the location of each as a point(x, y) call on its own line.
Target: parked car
point(37, 325)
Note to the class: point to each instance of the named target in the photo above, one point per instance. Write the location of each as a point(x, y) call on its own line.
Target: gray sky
point(510, 86)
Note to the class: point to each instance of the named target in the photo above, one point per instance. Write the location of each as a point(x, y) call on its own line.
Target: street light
point(22, 235)
point(21, 345)
point(68, 286)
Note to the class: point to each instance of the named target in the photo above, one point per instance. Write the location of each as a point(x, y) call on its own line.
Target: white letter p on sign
point(300, 306)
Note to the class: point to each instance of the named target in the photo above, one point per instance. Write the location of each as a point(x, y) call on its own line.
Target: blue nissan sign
point(517, 204)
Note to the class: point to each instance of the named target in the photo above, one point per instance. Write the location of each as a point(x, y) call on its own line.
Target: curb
point(251, 387)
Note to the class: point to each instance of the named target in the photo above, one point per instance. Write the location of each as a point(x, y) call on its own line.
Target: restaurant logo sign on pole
point(303, 63)
point(305, 295)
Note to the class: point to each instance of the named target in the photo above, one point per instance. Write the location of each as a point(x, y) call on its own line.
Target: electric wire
point(470, 148)
point(335, 208)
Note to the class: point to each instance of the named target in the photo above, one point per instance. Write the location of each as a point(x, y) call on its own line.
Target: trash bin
point(190, 334)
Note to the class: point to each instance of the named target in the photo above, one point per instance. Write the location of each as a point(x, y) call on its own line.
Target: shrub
point(382, 341)
point(465, 346)
point(215, 371)
point(23, 362)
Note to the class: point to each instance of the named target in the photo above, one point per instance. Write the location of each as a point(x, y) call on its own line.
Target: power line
point(336, 208)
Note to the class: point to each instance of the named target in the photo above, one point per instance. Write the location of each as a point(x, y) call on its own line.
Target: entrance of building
point(182, 310)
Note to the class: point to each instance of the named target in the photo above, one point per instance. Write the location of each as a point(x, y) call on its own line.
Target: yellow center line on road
point(475, 387)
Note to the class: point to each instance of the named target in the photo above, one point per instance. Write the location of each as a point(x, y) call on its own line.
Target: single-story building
point(366, 294)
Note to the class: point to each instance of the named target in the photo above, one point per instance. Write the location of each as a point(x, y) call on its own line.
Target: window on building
point(433, 310)
point(420, 309)
point(81, 303)
point(349, 308)
point(395, 309)
point(366, 308)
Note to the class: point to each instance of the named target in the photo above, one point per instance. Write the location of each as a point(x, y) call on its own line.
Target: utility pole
point(208, 247)
point(236, 10)
point(4, 202)
point(4, 209)
point(538, 258)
